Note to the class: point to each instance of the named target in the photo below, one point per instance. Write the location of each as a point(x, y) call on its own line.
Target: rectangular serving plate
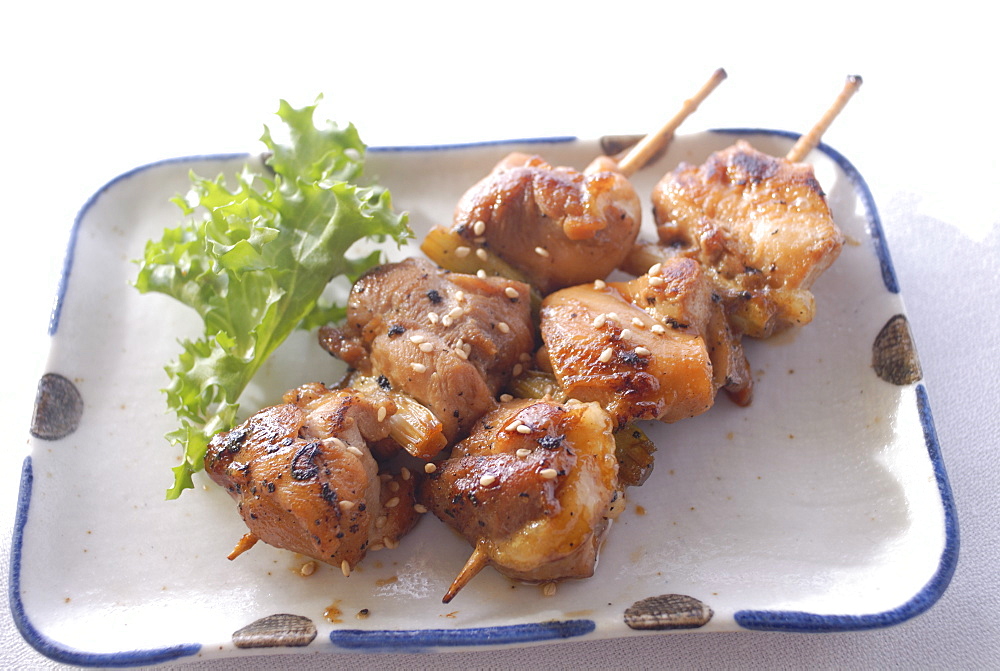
point(824, 506)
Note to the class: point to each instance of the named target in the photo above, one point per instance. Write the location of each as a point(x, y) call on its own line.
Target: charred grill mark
point(551, 442)
point(303, 467)
point(235, 439)
point(674, 324)
point(629, 357)
point(756, 167)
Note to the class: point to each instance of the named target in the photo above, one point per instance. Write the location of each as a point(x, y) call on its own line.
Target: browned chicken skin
point(557, 226)
point(533, 488)
point(304, 478)
point(657, 347)
point(448, 340)
point(760, 224)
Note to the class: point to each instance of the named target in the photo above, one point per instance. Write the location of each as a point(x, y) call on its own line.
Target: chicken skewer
point(533, 488)
point(552, 227)
point(759, 224)
point(661, 346)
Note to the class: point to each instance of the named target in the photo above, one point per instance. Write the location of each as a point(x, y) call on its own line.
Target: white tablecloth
point(91, 90)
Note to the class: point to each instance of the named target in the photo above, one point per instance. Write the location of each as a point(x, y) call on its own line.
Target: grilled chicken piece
point(557, 226)
point(760, 223)
point(657, 347)
point(304, 478)
point(533, 488)
point(448, 340)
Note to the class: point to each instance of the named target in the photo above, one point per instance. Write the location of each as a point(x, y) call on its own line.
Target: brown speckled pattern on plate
point(58, 408)
point(894, 356)
point(278, 630)
point(668, 611)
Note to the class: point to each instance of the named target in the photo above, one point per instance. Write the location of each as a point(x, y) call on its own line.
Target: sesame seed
point(481, 274)
point(345, 568)
point(461, 353)
point(393, 486)
point(392, 503)
point(600, 284)
point(513, 425)
point(511, 292)
point(346, 505)
point(549, 589)
point(382, 412)
point(638, 323)
point(506, 398)
point(524, 357)
point(376, 547)
point(503, 327)
point(658, 329)
point(308, 568)
point(600, 320)
point(523, 452)
point(430, 468)
point(642, 351)
point(656, 281)
point(548, 473)
point(418, 367)
point(626, 334)
point(404, 473)
point(417, 507)
point(426, 347)
point(487, 480)
point(455, 312)
point(416, 339)
point(481, 253)
point(459, 296)
point(462, 252)
point(380, 522)
point(606, 355)
point(479, 227)
point(447, 320)
point(391, 543)
point(541, 251)
point(523, 428)
point(654, 269)
point(612, 315)
point(518, 369)
point(433, 317)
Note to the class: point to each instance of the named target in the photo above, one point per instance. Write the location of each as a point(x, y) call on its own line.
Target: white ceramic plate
point(822, 507)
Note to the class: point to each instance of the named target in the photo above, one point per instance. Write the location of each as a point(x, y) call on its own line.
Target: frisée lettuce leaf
point(254, 260)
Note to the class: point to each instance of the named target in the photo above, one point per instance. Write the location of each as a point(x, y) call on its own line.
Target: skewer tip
point(477, 562)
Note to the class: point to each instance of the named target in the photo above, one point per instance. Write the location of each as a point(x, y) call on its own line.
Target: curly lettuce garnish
point(254, 262)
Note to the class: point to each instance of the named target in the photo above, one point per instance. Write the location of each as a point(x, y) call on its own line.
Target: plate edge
point(927, 596)
point(47, 646)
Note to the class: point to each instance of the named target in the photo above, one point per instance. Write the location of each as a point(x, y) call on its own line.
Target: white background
point(90, 90)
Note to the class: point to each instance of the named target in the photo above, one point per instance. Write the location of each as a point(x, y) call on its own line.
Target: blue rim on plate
point(428, 640)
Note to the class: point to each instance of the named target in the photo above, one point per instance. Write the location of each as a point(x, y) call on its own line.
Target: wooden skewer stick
point(810, 140)
point(476, 563)
point(642, 152)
